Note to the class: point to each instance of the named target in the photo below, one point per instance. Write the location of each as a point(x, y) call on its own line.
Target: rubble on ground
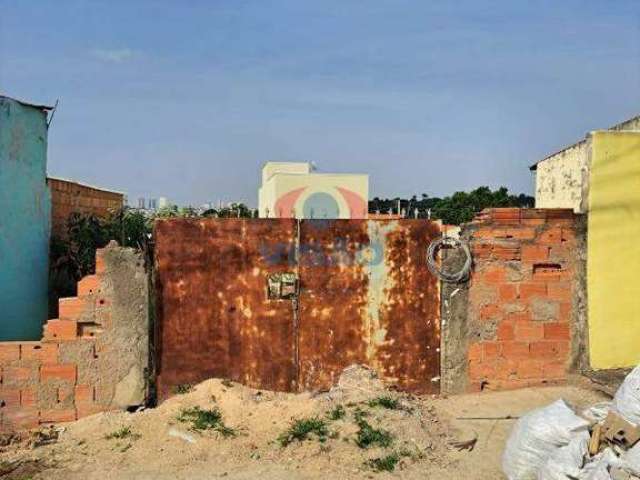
point(600, 443)
point(356, 383)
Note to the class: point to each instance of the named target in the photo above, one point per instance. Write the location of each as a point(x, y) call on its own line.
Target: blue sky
point(188, 99)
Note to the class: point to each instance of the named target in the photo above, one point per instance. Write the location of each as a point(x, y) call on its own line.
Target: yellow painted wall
point(613, 258)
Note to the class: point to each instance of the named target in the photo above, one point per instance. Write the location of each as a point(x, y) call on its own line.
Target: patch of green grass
point(384, 464)
point(182, 388)
point(360, 414)
point(385, 401)
point(301, 429)
point(336, 413)
point(201, 419)
point(367, 436)
point(122, 433)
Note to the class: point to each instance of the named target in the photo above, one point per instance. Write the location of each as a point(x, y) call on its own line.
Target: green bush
point(367, 436)
point(301, 429)
point(385, 402)
point(336, 413)
point(201, 420)
point(384, 464)
point(122, 433)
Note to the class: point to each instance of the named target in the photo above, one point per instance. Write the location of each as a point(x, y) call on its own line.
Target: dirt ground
point(155, 444)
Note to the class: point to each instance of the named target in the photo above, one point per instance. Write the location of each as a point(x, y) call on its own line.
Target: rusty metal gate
point(286, 305)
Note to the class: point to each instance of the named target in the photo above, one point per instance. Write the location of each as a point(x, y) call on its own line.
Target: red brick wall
point(68, 197)
point(58, 378)
point(520, 297)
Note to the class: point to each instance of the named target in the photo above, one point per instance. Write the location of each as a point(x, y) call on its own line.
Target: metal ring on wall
point(432, 262)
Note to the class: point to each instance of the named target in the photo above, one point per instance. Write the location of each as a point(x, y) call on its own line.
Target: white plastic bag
point(631, 460)
point(597, 413)
point(566, 462)
point(536, 436)
point(626, 401)
point(599, 466)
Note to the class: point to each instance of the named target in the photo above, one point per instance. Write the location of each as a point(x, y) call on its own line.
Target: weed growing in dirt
point(124, 448)
point(302, 428)
point(384, 464)
point(336, 413)
point(201, 419)
point(368, 436)
point(122, 433)
point(388, 462)
point(360, 414)
point(385, 401)
point(413, 455)
point(182, 388)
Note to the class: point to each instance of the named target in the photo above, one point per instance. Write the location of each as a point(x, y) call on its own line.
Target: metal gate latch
point(282, 286)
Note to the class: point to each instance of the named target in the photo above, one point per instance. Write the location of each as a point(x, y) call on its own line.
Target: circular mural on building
point(321, 205)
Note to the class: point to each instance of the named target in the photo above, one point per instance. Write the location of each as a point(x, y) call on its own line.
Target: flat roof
point(321, 174)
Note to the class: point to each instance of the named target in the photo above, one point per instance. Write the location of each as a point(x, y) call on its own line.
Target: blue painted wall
point(24, 220)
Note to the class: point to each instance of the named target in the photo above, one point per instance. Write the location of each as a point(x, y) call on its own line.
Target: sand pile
point(356, 429)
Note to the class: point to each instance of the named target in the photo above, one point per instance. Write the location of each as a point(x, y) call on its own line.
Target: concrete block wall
point(92, 358)
point(522, 313)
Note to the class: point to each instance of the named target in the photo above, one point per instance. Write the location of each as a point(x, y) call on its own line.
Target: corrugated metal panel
point(214, 316)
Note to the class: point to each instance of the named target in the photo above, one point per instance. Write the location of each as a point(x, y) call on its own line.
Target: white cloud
point(117, 55)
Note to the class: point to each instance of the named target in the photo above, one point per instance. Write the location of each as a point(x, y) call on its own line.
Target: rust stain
point(213, 313)
point(333, 295)
point(411, 311)
point(366, 296)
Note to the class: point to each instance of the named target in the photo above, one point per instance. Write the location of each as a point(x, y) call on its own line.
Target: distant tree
point(455, 209)
point(188, 212)
point(73, 255)
point(167, 212)
point(128, 226)
point(235, 210)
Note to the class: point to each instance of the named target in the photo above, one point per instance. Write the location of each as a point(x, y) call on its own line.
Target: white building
point(562, 178)
point(163, 202)
point(293, 189)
